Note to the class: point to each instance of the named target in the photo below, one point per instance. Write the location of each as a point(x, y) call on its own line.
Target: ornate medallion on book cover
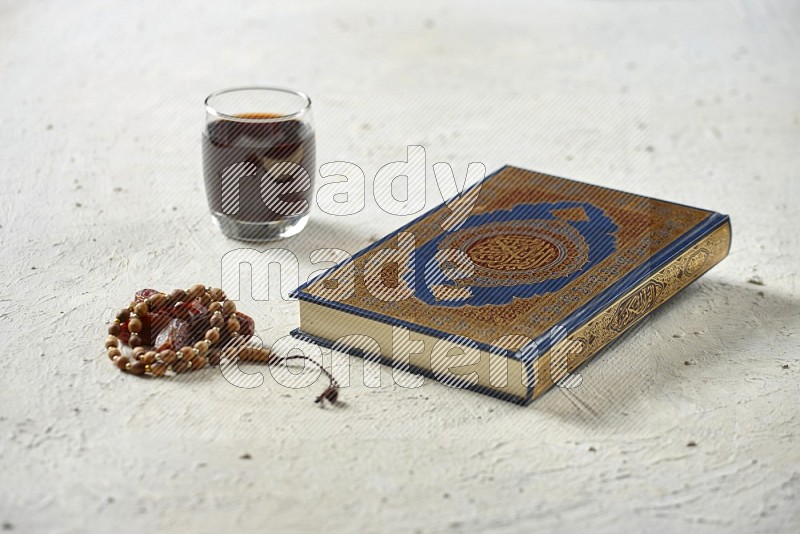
point(531, 249)
point(520, 252)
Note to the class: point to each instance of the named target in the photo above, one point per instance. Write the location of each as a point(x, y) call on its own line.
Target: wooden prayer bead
point(157, 301)
point(233, 325)
point(137, 368)
point(168, 356)
point(134, 325)
point(217, 320)
point(195, 291)
point(216, 293)
point(252, 354)
point(213, 335)
point(176, 295)
point(198, 362)
point(158, 368)
point(141, 309)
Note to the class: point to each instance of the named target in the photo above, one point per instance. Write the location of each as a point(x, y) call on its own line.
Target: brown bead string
point(191, 357)
point(253, 354)
point(197, 356)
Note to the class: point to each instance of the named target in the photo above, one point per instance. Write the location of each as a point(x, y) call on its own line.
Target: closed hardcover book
point(509, 287)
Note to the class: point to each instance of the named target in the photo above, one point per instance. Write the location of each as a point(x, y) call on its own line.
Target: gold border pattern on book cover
point(590, 338)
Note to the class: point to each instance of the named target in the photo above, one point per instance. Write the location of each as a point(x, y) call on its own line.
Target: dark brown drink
point(258, 169)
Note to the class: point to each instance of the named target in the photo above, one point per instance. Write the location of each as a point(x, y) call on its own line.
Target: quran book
point(509, 287)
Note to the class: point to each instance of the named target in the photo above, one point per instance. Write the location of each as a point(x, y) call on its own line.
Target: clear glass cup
point(259, 161)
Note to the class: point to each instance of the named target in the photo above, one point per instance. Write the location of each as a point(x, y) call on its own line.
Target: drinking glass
point(259, 159)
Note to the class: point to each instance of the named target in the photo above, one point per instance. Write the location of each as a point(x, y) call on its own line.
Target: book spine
point(555, 366)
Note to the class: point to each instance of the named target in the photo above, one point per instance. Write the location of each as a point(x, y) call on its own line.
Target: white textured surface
point(101, 195)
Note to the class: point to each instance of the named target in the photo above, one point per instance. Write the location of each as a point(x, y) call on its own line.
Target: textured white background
point(101, 195)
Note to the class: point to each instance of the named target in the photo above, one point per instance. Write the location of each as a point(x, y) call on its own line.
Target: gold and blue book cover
point(509, 287)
